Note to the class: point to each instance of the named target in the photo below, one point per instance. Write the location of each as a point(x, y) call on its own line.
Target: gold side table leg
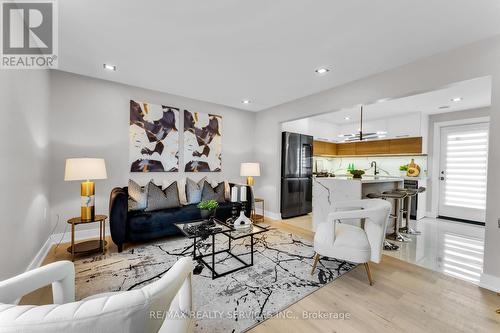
point(103, 236)
point(72, 242)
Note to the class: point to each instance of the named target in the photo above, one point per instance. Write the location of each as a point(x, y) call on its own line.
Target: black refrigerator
point(296, 174)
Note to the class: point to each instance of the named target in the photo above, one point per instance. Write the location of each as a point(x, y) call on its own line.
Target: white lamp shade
point(85, 169)
point(250, 169)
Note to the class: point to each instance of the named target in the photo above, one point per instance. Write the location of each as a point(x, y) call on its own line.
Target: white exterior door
point(463, 172)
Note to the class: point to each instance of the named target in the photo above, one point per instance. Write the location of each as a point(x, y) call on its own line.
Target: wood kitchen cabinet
point(405, 146)
point(321, 148)
point(346, 148)
point(372, 147)
point(402, 146)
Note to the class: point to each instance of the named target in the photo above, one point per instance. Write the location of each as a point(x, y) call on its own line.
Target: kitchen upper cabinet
point(402, 146)
point(406, 126)
point(405, 146)
point(321, 148)
point(372, 147)
point(346, 149)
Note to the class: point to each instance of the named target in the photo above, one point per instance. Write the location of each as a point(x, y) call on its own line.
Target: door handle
point(442, 178)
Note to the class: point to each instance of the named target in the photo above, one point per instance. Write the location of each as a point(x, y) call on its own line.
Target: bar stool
point(399, 198)
point(410, 193)
point(388, 246)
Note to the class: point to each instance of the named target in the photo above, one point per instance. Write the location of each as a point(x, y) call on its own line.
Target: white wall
point(24, 96)
point(90, 117)
point(320, 130)
point(471, 61)
point(443, 117)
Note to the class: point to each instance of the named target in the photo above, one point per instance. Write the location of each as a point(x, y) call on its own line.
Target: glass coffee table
point(195, 230)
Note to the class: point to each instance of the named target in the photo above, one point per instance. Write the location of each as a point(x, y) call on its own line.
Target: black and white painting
point(202, 142)
point(154, 138)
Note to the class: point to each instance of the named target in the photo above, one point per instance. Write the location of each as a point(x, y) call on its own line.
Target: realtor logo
point(29, 34)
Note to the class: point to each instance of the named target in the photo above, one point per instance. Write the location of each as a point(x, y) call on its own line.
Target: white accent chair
point(349, 242)
point(162, 306)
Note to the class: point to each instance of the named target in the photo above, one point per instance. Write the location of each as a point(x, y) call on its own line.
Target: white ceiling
point(475, 93)
point(224, 51)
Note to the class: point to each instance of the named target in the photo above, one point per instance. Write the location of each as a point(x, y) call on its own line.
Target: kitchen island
point(329, 190)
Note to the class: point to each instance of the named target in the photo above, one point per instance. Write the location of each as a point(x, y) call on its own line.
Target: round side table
point(258, 217)
point(90, 246)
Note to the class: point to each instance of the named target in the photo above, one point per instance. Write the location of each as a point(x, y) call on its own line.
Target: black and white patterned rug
point(233, 303)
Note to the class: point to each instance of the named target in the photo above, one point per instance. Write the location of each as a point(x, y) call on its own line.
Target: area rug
point(280, 276)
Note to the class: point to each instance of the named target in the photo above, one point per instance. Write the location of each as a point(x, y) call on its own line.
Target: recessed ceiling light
point(109, 67)
point(444, 107)
point(456, 99)
point(246, 101)
point(346, 118)
point(381, 132)
point(322, 70)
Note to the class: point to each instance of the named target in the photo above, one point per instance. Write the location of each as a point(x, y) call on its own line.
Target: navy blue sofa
point(140, 226)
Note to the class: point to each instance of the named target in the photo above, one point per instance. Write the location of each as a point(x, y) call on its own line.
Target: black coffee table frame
point(230, 236)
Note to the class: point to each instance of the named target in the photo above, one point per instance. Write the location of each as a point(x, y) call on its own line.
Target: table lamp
point(250, 170)
point(86, 169)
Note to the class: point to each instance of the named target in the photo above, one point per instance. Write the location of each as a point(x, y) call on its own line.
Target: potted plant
point(207, 208)
point(403, 169)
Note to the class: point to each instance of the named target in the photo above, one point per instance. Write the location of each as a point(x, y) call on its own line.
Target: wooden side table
point(90, 246)
point(258, 217)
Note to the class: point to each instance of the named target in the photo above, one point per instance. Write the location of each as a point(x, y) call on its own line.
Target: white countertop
point(366, 179)
point(378, 179)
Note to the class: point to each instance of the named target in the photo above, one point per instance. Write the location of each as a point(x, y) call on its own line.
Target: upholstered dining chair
point(356, 244)
point(162, 306)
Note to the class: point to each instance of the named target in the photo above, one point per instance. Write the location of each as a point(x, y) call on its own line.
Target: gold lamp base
point(250, 181)
point(87, 209)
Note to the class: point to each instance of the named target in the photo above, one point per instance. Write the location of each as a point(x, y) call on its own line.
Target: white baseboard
point(40, 256)
point(490, 282)
point(272, 216)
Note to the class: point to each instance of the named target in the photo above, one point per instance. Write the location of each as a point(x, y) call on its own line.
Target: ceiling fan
point(361, 136)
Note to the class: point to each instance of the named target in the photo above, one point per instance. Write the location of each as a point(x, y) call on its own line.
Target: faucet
point(374, 164)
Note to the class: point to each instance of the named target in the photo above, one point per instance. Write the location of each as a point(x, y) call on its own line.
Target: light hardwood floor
point(404, 298)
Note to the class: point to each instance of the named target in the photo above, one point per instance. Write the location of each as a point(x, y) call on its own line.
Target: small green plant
point(208, 205)
point(403, 168)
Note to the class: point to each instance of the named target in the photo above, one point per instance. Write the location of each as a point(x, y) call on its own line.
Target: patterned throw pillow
point(213, 193)
point(138, 196)
point(193, 190)
point(158, 199)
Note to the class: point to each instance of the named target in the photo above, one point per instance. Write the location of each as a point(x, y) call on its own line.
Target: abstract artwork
point(202, 142)
point(154, 138)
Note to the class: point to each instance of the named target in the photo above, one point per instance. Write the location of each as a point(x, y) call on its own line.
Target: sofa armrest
point(60, 274)
point(118, 211)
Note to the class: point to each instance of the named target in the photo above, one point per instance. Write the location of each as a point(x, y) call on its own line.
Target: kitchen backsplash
point(387, 165)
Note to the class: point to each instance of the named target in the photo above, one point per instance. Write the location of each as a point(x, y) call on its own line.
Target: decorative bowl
point(356, 173)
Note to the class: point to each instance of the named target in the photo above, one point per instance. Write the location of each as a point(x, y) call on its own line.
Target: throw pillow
point(138, 196)
point(193, 190)
point(157, 199)
point(181, 188)
point(213, 193)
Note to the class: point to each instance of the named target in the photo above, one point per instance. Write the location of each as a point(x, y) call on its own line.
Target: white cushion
point(351, 243)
